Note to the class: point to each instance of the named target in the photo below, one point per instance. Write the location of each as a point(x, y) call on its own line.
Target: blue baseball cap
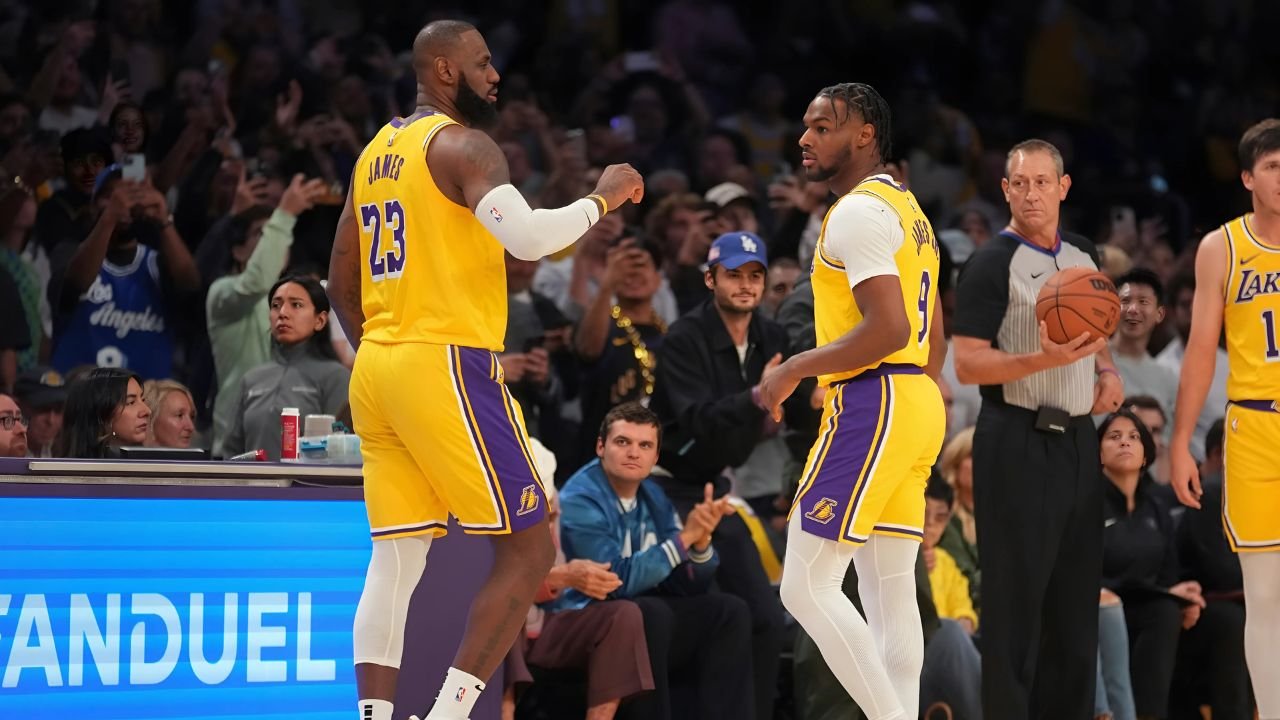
point(735, 249)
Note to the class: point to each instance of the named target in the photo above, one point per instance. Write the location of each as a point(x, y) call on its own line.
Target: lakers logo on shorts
point(823, 511)
point(528, 500)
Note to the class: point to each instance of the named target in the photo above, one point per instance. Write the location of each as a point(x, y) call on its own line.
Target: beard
point(476, 111)
point(820, 173)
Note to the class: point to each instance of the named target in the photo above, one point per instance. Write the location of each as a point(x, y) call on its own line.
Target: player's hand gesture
point(1184, 476)
point(1069, 352)
point(618, 184)
point(776, 385)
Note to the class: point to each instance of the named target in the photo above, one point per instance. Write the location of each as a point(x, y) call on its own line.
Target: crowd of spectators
point(173, 174)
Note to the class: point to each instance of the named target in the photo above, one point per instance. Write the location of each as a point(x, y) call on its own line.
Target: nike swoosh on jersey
point(1251, 258)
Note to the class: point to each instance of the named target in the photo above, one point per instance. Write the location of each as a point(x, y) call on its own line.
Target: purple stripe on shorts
point(887, 394)
point(502, 439)
point(836, 474)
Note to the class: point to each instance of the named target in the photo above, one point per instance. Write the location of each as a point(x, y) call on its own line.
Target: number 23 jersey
point(431, 273)
point(875, 229)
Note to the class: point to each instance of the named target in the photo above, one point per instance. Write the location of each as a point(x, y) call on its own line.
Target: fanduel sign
point(161, 608)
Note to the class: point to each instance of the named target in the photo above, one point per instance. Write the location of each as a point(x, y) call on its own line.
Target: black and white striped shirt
point(996, 301)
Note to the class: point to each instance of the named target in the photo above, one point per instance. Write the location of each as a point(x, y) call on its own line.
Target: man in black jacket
point(706, 393)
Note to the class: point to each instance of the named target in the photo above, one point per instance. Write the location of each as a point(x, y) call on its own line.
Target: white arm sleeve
point(533, 234)
point(863, 234)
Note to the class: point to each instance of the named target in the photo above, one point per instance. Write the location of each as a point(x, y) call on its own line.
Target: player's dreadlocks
point(864, 100)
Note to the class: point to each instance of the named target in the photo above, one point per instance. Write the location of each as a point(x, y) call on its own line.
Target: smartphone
point(644, 61)
point(536, 341)
point(134, 167)
point(335, 195)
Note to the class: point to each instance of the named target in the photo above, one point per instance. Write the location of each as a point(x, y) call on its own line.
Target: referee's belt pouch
point(1052, 420)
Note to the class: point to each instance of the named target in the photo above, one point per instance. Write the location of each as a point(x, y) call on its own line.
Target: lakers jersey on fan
point(835, 311)
point(1252, 314)
point(431, 272)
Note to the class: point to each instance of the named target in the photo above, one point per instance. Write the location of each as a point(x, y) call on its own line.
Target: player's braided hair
point(864, 100)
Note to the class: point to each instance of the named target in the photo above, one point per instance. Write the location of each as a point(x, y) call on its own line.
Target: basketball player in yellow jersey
point(1238, 289)
point(880, 347)
point(417, 279)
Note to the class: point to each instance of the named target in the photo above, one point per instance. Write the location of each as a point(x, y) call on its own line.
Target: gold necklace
point(641, 351)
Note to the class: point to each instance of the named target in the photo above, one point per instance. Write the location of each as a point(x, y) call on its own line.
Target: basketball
point(1078, 300)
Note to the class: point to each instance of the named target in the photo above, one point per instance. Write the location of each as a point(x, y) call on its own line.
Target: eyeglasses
point(7, 421)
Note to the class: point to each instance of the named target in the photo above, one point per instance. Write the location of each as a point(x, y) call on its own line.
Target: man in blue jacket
point(613, 512)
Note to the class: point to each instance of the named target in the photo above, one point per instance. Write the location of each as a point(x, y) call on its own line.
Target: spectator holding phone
point(119, 283)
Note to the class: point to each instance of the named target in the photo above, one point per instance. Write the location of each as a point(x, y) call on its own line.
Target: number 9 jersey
point(876, 229)
point(431, 272)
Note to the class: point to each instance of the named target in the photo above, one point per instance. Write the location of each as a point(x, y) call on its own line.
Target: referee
point(1037, 479)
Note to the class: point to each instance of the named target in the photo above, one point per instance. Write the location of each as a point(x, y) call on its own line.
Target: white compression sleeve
point(394, 571)
point(811, 579)
point(887, 586)
point(1262, 628)
point(533, 234)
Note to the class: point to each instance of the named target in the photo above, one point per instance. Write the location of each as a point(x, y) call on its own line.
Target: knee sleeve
point(394, 571)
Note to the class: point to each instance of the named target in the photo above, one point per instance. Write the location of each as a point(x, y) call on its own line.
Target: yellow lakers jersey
point(834, 309)
point(432, 273)
point(1252, 315)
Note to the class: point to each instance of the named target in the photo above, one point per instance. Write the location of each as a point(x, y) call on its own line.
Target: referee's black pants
point(1038, 506)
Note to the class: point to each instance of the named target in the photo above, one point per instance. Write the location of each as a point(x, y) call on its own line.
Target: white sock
point(811, 580)
point(1261, 572)
point(374, 710)
point(457, 696)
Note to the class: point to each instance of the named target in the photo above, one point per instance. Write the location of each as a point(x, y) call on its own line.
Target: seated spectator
point(303, 372)
point(1211, 662)
point(707, 394)
point(1140, 562)
point(173, 414)
point(104, 412)
point(959, 620)
point(13, 429)
point(41, 393)
point(949, 585)
point(535, 330)
point(120, 283)
point(236, 306)
point(605, 638)
point(613, 513)
point(960, 538)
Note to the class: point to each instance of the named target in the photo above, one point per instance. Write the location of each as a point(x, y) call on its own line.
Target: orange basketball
point(1078, 300)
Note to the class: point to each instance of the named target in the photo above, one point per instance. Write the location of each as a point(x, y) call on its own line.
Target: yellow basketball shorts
point(1251, 486)
point(440, 435)
point(881, 432)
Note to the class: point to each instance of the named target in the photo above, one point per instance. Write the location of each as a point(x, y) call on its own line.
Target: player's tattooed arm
point(467, 164)
point(344, 276)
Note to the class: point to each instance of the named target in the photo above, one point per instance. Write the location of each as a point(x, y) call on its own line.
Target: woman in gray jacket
point(303, 372)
